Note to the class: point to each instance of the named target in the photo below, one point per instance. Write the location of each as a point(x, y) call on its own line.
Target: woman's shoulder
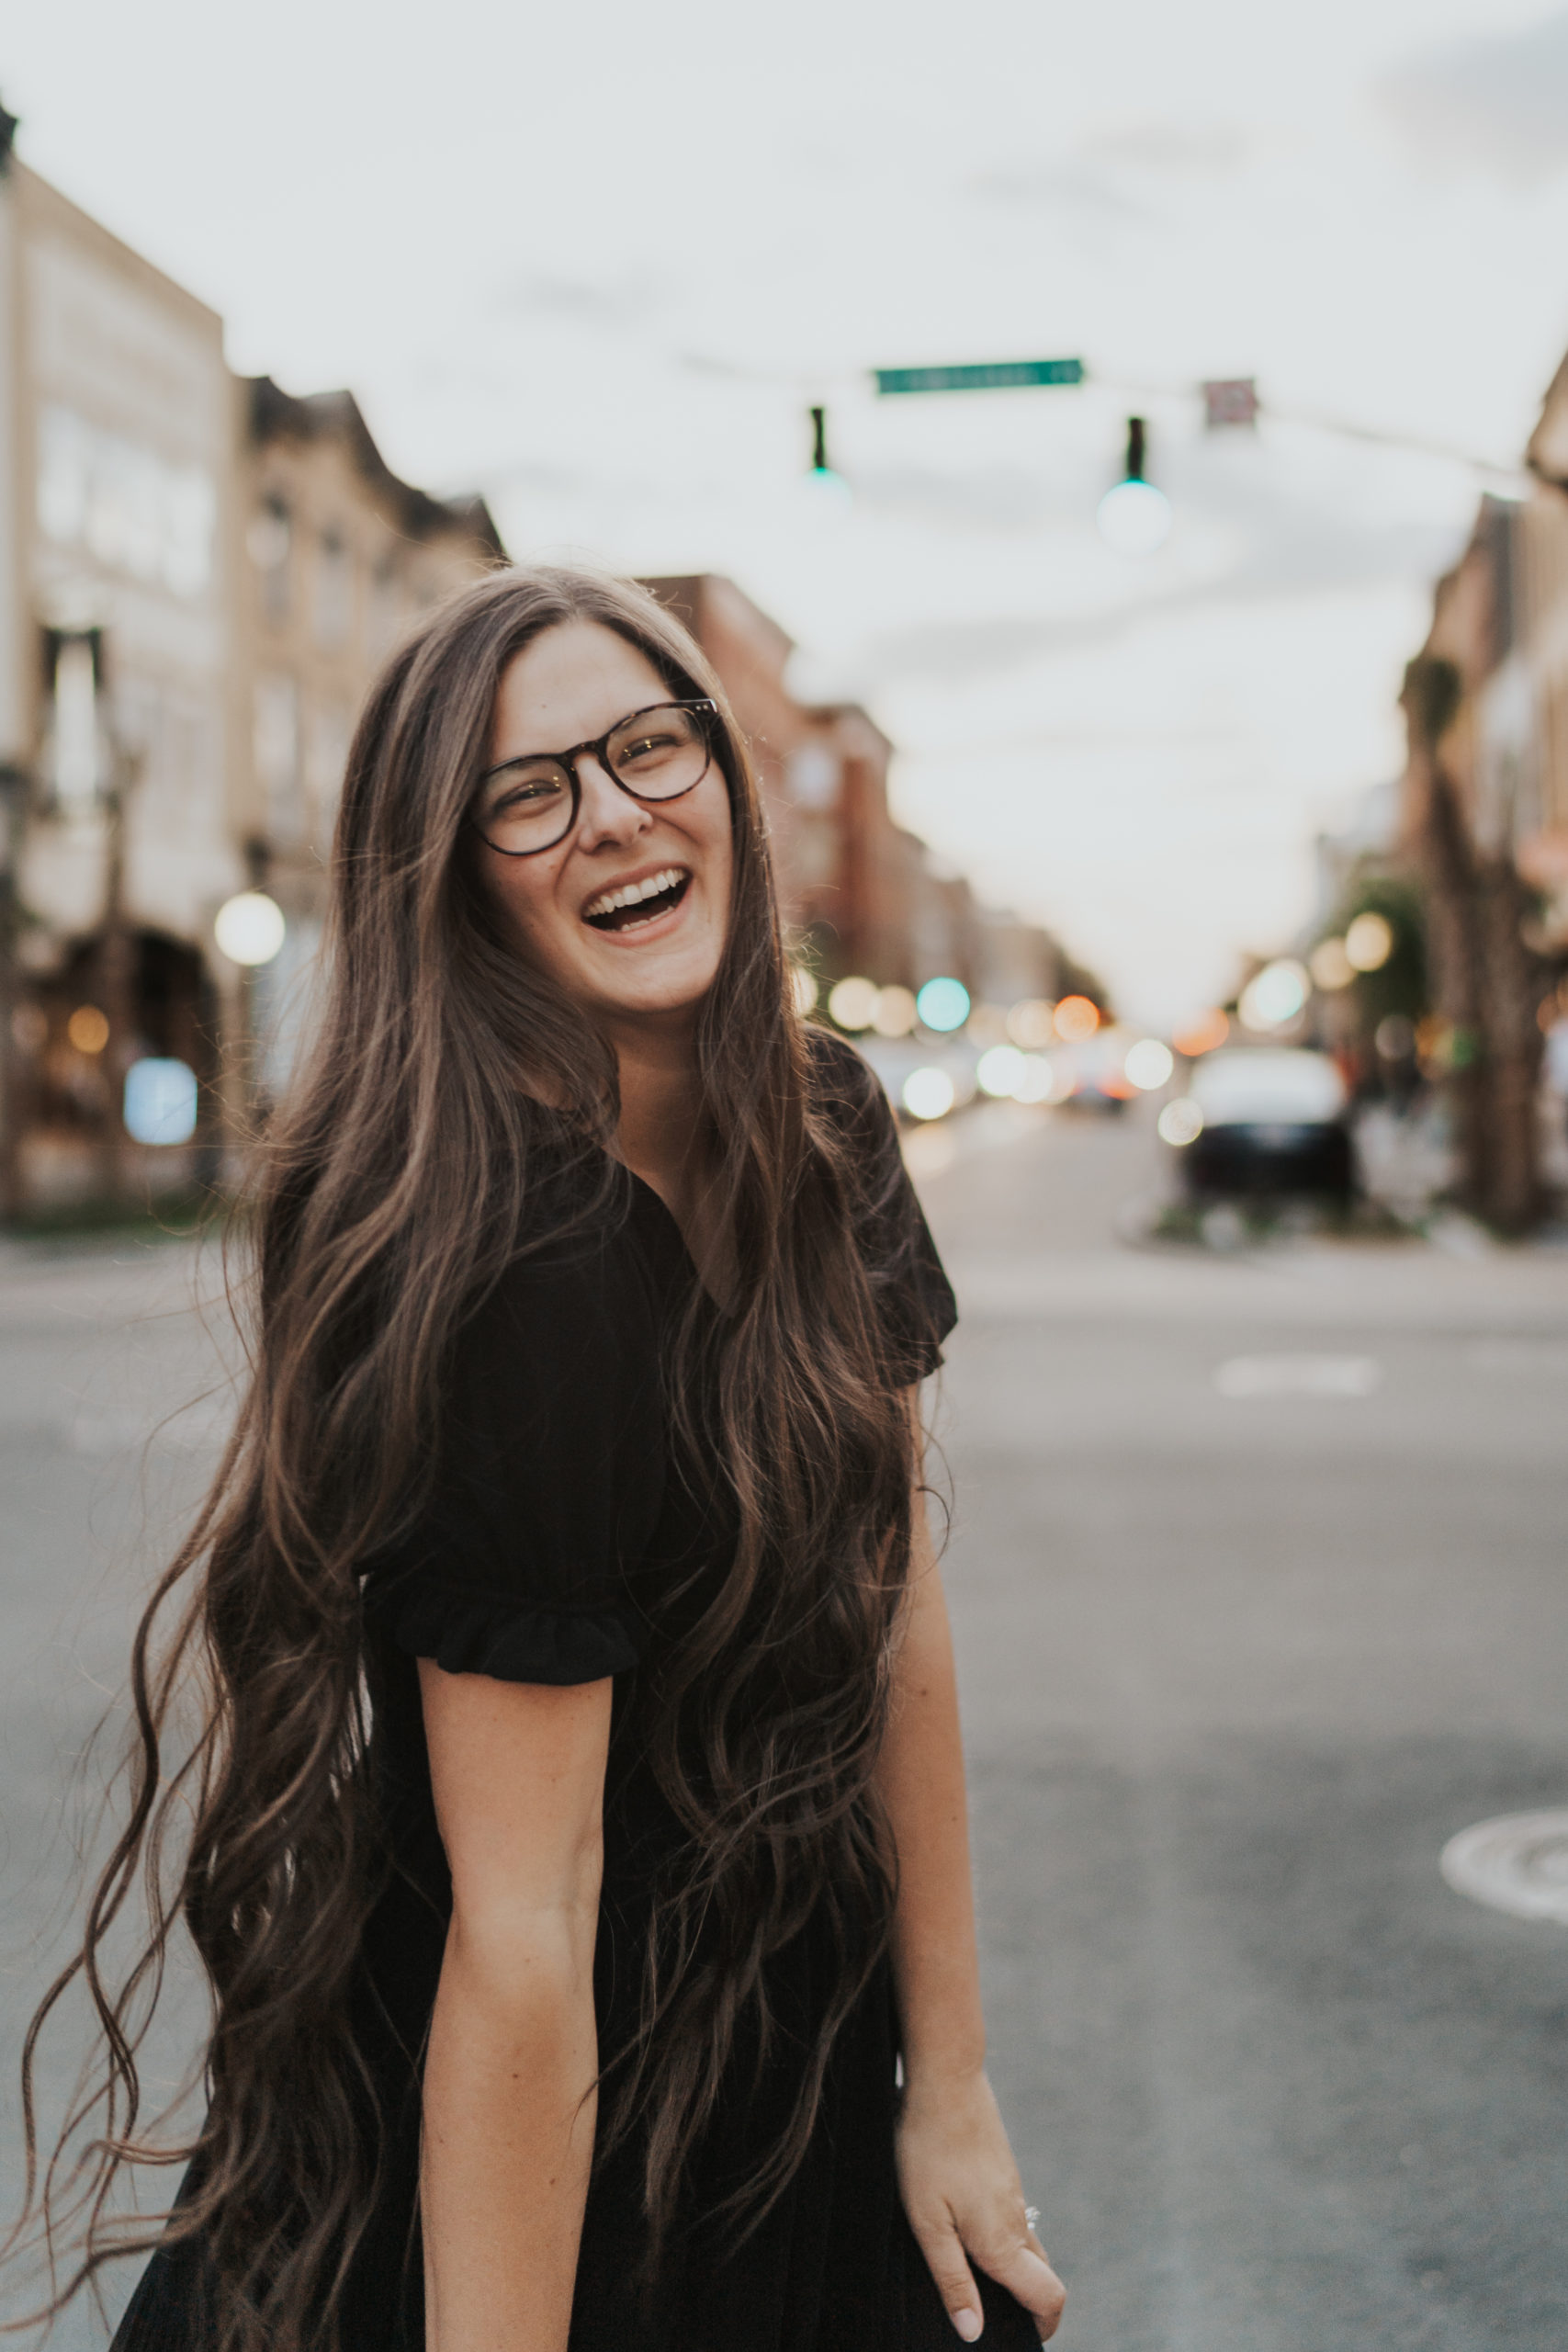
point(896, 1245)
point(849, 1103)
point(843, 1086)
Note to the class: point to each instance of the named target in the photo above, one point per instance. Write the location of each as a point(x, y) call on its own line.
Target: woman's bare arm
point(518, 1774)
point(956, 2172)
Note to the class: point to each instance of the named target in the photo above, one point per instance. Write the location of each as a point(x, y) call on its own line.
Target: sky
point(597, 261)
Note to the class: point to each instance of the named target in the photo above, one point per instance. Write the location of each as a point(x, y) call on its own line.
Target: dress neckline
point(642, 1190)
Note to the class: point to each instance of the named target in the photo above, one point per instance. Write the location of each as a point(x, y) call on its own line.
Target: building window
point(813, 773)
point(133, 510)
point(331, 724)
point(277, 743)
point(386, 605)
point(75, 751)
point(271, 543)
point(335, 591)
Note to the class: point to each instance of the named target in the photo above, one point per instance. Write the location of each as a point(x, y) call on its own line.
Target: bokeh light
point(1331, 967)
point(250, 928)
point(852, 1002)
point(895, 1014)
point(929, 1093)
point(1031, 1024)
point(1077, 1017)
point(1274, 997)
point(1038, 1079)
point(803, 987)
point(1002, 1072)
point(1394, 1036)
point(943, 1004)
point(1202, 1034)
point(88, 1029)
point(160, 1101)
point(1134, 518)
point(1368, 943)
point(988, 1026)
point(1180, 1122)
point(1148, 1064)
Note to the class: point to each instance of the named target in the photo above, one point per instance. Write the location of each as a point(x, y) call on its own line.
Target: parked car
point(1263, 1120)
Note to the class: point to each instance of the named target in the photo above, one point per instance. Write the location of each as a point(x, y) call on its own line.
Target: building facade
point(1484, 819)
point(117, 559)
point(1529, 728)
point(199, 579)
point(340, 558)
point(860, 893)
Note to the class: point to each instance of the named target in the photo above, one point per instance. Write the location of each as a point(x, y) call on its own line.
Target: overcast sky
point(596, 260)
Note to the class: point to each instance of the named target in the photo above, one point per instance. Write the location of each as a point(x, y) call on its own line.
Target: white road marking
point(1246, 1377)
point(1516, 1862)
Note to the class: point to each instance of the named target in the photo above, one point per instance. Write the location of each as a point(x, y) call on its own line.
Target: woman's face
point(656, 957)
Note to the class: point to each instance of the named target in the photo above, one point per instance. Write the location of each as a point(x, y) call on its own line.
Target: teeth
point(610, 902)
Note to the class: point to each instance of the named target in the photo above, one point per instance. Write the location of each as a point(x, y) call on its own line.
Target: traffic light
point(1135, 517)
point(830, 491)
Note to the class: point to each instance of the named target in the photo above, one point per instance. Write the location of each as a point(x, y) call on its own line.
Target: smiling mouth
point(640, 903)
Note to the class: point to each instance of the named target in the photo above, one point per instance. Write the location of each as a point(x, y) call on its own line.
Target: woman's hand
point(964, 2201)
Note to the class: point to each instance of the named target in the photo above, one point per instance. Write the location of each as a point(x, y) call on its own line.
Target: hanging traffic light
point(1135, 517)
point(830, 488)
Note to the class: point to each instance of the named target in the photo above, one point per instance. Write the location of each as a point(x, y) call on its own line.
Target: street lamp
point(250, 928)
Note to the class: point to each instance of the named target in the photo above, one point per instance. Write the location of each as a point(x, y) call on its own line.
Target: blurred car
point(1088, 1074)
point(1263, 1120)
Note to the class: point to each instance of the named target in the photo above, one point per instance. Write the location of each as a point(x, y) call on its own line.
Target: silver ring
point(1031, 2215)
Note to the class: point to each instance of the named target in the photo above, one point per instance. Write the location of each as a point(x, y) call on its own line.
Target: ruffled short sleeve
point(908, 1277)
point(549, 1479)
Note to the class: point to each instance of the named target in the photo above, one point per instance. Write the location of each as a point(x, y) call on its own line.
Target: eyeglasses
point(525, 806)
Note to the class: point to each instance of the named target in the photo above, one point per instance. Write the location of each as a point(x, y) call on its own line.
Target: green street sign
point(1001, 376)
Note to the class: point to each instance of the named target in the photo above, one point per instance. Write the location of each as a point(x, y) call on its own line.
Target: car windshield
point(1237, 1088)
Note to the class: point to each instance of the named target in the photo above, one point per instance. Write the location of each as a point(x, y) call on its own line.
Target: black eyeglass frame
point(600, 747)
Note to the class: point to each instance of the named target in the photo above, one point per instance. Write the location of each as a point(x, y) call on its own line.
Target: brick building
point(861, 893)
point(1484, 815)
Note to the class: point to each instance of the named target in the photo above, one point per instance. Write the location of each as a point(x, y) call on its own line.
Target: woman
point(578, 1849)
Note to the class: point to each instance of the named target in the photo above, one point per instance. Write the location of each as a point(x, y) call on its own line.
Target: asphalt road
point(1235, 1666)
point(1234, 1669)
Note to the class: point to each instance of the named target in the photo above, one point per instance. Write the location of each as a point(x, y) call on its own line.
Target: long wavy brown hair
point(391, 1191)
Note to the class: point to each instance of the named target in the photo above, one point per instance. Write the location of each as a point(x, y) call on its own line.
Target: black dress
point(559, 1530)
